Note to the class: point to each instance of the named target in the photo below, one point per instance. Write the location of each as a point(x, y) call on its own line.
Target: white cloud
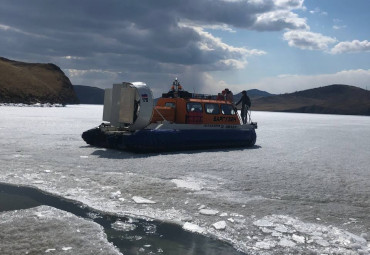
point(318, 11)
point(279, 20)
point(72, 57)
point(255, 52)
point(16, 30)
point(336, 27)
point(222, 27)
point(211, 42)
point(148, 40)
point(290, 4)
point(290, 83)
point(354, 46)
point(235, 64)
point(95, 77)
point(308, 40)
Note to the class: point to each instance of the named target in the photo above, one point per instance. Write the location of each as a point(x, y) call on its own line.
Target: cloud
point(290, 4)
point(110, 41)
point(318, 11)
point(308, 40)
point(290, 83)
point(351, 47)
point(336, 27)
point(279, 20)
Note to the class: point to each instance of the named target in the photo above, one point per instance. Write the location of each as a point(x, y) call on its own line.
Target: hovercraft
point(179, 121)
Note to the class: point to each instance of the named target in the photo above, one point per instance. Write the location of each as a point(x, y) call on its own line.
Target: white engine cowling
point(128, 105)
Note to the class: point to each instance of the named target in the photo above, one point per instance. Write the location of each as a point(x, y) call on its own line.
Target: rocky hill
point(89, 95)
point(31, 83)
point(253, 94)
point(332, 99)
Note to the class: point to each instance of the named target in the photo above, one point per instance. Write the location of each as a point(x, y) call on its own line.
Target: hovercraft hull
point(155, 140)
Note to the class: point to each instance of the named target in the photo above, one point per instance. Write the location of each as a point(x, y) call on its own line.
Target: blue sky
point(274, 45)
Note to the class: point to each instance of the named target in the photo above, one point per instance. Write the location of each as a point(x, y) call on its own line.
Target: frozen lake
point(304, 187)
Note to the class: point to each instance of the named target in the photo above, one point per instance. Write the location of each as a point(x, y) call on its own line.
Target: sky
point(279, 46)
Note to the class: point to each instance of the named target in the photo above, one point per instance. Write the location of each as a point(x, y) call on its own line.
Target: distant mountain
point(34, 83)
point(332, 99)
point(89, 95)
point(253, 94)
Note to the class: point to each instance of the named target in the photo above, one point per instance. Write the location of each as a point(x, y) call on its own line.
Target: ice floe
point(265, 244)
point(294, 234)
point(220, 225)
point(210, 212)
point(286, 243)
point(231, 220)
point(115, 195)
point(298, 239)
point(193, 228)
point(141, 200)
point(188, 184)
point(123, 226)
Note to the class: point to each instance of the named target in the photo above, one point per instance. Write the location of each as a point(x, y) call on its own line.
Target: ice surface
point(265, 245)
point(123, 226)
point(208, 211)
point(298, 239)
point(263, 223)
point(45, 229)
point(286, 243)
point(193, 228)
point(306, 177)
point(187, 184)
point(115, 195)
point(141, 200)
point(219, 225)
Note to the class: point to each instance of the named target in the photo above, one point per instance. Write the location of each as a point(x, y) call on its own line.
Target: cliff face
point(34, 83)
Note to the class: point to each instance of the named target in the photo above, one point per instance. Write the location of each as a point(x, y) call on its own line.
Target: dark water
point(163, 238)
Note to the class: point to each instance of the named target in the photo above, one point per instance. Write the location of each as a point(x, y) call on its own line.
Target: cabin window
point(227, 109)
point(170, 104)
point(194, 107)
point(212, 108)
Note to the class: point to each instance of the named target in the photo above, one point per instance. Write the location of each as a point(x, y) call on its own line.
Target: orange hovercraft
point(179, 121)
